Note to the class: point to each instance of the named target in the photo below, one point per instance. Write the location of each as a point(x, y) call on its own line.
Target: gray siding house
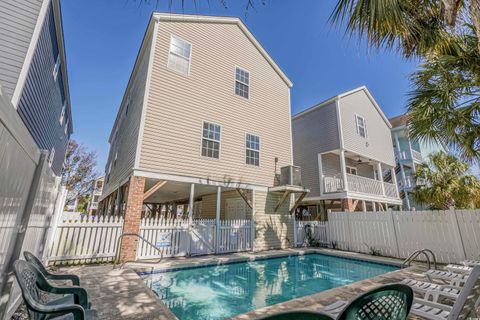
point(33, 72)
point(344, 148)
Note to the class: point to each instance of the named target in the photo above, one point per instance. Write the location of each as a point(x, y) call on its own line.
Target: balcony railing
point(408, 183)
point(364, 185)
point(408, 155)
point(359, 184)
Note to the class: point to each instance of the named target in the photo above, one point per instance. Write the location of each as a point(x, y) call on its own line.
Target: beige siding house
point(344, 148)
point(205, 120)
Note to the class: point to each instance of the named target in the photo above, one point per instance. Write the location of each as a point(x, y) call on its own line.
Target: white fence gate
point(234, 236)
point(318, 232)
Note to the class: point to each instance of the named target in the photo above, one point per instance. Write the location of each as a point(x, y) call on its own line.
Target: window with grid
point(242, 82)
point(179, 55)
point(211, 140)
point(62, 114)
point(252, 151)
point(352, 170)
point(361, 124)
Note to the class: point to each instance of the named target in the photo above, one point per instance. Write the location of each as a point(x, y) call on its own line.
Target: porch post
point(374, 206)
point(252, 221)
point(343, 169)
point(217, 219)
point(394, 180)
point(380, 176)
point(133, 214)
point(190, 216)
point(364, 206)
point(190, 203)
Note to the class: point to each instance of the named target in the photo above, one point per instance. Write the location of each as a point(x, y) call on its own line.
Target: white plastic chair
point(433, 290)
point(464, 306)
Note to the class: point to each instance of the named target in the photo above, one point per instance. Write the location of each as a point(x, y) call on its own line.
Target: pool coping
point(217, 260)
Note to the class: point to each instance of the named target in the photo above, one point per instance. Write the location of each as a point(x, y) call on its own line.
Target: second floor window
point(352, 170)
point(361, 124)
point(51, 156)
point(252, 149)
point(242, 83)
point(179, 55)
point(211, 140)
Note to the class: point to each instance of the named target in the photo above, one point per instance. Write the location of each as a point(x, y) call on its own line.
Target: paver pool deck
point(119, 294)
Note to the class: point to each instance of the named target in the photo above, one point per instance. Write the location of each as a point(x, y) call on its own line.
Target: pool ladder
point(426, 252)
point(128, 234)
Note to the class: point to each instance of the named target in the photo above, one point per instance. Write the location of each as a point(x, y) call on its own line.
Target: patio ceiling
point(176, 191)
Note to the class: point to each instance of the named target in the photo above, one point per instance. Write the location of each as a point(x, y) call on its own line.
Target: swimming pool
point(217, 292)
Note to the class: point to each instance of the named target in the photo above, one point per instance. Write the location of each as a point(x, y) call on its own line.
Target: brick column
point(347, 205)
point(133, 213)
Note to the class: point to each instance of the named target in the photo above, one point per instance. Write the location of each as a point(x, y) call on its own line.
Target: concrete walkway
point(121, 294)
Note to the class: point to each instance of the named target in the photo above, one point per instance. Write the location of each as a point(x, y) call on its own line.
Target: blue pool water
point(218, 292)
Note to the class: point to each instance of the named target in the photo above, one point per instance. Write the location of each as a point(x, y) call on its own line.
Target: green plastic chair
point(389, 302)
point(297, 315)
point(34, 286)
point(30, 257)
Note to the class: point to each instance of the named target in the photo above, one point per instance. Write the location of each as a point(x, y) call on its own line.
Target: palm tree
point(444, 103)
point(446, 183)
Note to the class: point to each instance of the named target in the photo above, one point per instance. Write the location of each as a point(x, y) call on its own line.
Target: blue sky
point(102, 39)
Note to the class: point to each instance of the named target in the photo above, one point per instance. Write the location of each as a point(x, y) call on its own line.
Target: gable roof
point(225, 20)
point(399, 121)
point(342, 95)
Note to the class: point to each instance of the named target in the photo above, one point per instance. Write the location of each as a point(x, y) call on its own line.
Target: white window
point(56, 68)
point(252, 149)
point(352, 170)
point(211, 140)
point(51, 156)
point(115, 159)
point(179, 55)
point(62, 115)
point(242, 82)
point(361, 124)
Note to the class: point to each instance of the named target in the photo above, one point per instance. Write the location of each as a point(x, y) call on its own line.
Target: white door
point(235, 209)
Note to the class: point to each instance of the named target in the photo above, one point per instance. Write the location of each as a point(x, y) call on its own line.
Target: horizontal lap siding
point(313, 133)
point(379, 138)
point(42, 97)
point(274, 230)
point(17, 22)
point(128, 127)
point(177, 105)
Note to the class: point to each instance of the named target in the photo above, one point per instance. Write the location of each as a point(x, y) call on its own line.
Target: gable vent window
point(242, 83)
point(179, 55)
point(211, 140)
point(361, 124)
point(56, 68)
point(252, 151)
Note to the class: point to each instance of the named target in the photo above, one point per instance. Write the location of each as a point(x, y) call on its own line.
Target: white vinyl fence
point(453, 235)
point(95, 240)
point(86, 240)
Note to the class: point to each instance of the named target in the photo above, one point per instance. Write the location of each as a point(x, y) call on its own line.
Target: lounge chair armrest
point(80, 294)
point(77, 311)
point(448, 286)
point(432, 304)
point(75, 279)
point(435, 294)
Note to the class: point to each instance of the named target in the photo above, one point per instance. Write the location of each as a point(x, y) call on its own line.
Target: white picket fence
point(86, 240)
point(95, 240)
point(453, 235)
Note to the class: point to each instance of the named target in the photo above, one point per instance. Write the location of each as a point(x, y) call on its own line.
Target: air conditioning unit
point(291, 175)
